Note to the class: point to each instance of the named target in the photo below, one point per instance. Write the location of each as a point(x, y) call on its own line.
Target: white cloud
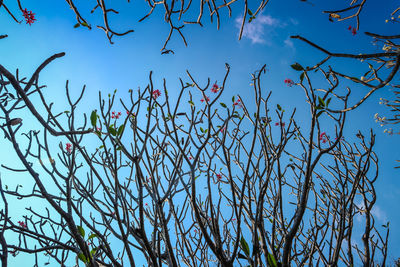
point(294, 21)
point(258, 28)
point(288, 42)
point(379, 214)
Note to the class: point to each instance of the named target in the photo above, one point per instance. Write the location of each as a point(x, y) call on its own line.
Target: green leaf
point(98, 133)
point(81, 230)
point(223, 105)
point(279, 107)
point(201, 130)
point(93, 118)
point(84, 24)
point(120, 130)
point(91, 236)
point(233, 99)
point(118, 148)
point(112, 130)
point(249, 11)
point(297, 66)
point(302, 77)
point(245, 246)
point(271, 260)
point(77, 25)
point(93, 251)
point(82, 257)
point(328, 101)
point(191, 103)
point(321, 102)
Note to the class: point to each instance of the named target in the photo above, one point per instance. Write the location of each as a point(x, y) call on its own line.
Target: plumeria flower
point(215, 88)
point(68, 147)
point(156, 94)
point(207, 99)
point(323, 137)
point(29, 16)
point(22, 224)
point(115, 115)
point(353, 30)
point(238, 103)
point(289, 82)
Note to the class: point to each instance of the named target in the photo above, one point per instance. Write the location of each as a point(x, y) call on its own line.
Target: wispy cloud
point(258, 28)
point(288, 42)
point(379, 214)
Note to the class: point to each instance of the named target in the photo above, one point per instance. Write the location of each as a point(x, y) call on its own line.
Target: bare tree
point(190, 180)
point(178, 14)
point(193, 181)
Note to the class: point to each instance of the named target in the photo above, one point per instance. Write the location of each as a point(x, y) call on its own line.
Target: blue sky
point(90, 60)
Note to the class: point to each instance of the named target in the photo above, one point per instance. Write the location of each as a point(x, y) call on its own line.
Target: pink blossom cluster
point(215, 88)
point(353, 30)
point(323, 137)
point(289, 82)
point(156, 94)
point(68, 147)
point(22, 224)
point(207, 99)
point(29, 16)
point(115, 115)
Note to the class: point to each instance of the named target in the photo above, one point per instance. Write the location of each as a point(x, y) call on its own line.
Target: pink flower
point(219, 177)
point(29, 16)
point(215, 88)
point(22, 224)
point(156, 94)
point(207, 99)
point(289, 82)
point(353, 30)
point(323, 137)
point(190, 157)
point(115, 115)
point(238, 103)
point(68, 147)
